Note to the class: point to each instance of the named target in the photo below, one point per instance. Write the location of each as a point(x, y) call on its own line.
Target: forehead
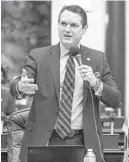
point(70, 17)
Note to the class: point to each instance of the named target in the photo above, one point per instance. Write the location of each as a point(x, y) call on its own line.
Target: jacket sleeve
point(110, 95)
point(30, 67)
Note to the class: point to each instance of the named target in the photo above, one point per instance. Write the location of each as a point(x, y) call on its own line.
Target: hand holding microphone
point(86, 71)
point(26, 85)
point(87, 74)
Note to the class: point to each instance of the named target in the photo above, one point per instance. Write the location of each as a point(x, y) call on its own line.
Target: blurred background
point(24, 25)
point(30, 24)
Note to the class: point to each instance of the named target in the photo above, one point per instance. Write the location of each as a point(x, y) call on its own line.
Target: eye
point(63, 23)
point(74, 25)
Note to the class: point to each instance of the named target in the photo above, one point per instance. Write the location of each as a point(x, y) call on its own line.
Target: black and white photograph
point(64, 81)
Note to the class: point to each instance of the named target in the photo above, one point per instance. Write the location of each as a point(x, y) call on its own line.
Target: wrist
point(18, 87)
point(19, 93)
point(97, 85)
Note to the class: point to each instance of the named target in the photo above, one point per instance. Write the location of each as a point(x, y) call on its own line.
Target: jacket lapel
point(86, 58)
point(55, 67)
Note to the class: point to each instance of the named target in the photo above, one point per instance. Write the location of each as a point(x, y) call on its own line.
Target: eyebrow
point(70, 23)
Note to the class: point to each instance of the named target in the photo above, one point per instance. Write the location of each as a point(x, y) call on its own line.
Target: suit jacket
point(43, 65)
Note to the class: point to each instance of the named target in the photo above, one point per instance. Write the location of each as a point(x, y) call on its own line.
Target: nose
point(68, 29)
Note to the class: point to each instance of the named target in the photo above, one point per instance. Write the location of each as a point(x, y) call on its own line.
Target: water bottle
point(90, 156)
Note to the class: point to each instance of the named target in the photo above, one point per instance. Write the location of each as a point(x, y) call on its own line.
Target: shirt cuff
point(99, 91)
point(19, 94)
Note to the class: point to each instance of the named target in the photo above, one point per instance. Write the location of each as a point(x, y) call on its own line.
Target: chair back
point(15, 127)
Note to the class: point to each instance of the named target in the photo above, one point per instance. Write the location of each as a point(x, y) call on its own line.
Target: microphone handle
point(79, 59)
point(80, 63)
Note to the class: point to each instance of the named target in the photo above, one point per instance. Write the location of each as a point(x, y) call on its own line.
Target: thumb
point(24, 74)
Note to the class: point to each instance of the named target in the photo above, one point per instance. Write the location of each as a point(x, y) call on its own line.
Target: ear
point(84, 29)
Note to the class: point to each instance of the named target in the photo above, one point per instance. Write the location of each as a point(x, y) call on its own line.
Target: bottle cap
point(90, 150)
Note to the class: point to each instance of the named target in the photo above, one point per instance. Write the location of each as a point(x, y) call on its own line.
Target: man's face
point(70, 29)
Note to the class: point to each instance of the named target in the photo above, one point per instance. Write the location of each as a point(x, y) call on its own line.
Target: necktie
point(64, 118)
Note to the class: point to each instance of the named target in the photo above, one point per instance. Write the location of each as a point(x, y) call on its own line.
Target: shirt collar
point(64, 50)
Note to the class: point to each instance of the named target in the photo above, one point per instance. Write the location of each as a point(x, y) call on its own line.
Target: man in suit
point(43, 76)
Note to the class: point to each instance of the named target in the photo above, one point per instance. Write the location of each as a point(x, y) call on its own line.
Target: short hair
point(75, 9)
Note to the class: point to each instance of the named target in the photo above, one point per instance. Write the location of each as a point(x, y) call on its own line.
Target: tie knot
point(70, 62)
point(74, 51)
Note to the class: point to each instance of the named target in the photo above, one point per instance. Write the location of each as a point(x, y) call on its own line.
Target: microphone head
point(74, 51)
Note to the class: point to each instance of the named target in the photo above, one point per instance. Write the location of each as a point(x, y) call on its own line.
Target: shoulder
point(96, 55)
point(93, 52)
point(40, 52)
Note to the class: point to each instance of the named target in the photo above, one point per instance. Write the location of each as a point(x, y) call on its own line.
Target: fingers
point(84, 67)
point(86, 71)
point(26, 85)
point(30, 87)
point(25, 78)
point(30, 92)
point(24, 73)
point(27, 88)
point(87, 74)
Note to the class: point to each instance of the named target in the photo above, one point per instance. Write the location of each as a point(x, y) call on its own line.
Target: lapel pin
point(88, 59)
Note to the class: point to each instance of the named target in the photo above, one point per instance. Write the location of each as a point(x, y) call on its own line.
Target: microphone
point(79, 59)
point(75, 52)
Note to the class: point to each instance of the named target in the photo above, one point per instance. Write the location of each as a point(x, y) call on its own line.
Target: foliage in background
point(24, 25)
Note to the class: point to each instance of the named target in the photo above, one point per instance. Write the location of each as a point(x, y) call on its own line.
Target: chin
point(67, 43)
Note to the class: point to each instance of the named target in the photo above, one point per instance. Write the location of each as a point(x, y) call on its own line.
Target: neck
point(67, 47)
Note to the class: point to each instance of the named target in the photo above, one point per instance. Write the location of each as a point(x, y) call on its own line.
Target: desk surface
point(106, 151)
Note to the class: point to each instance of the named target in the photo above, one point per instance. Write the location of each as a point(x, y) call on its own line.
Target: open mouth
point(67, 36)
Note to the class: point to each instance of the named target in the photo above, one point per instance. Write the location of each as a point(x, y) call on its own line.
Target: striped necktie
point(64, 118)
